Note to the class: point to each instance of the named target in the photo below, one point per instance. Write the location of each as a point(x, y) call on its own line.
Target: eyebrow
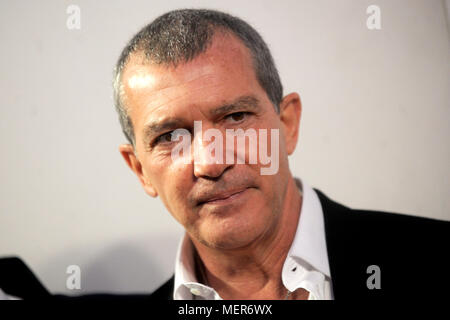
point(169, 124)
point(248, 102)
point(155, 127)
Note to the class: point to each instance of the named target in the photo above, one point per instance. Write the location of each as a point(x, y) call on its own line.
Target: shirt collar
point(186, 285)
point(307, 255)
point(309, 243)
point(306, 265)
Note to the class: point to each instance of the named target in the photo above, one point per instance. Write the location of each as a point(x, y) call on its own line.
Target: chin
point(228, 244)
point(235, 226)
point(228, 236)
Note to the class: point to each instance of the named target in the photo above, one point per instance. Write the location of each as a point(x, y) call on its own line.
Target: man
point(250, 235)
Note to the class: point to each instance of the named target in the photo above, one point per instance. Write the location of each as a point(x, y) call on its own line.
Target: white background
point(374, 133)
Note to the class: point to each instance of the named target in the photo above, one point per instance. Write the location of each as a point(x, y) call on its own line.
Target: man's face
point(221, 205)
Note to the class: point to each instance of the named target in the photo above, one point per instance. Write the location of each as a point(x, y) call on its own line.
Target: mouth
point(224, 197)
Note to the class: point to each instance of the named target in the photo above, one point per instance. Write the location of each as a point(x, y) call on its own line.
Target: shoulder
point(405, 248)
point(165, 291)
point(340, 218)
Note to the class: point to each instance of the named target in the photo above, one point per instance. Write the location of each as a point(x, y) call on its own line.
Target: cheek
point(172, 180)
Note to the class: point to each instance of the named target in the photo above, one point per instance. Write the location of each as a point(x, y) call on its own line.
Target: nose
point(209, 159)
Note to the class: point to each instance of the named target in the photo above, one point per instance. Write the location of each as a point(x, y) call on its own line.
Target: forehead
point(224, 71)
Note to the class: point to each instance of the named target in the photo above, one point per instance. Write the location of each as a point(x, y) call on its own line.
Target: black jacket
point(411, 253)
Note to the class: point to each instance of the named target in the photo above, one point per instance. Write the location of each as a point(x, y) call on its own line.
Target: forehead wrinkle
point(179, 91)
point(169, 104)
point(196, 70)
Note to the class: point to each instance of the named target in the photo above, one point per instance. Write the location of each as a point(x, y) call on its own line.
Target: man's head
point(180, 36)
point(199, 65)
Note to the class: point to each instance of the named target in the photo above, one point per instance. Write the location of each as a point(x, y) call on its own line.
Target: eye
point(164, 138)
point(170, 136)
point(237, 116)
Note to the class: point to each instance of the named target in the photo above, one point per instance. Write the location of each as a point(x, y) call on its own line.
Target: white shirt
point(306, 265)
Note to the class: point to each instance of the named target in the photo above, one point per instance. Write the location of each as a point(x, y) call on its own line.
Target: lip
point(225, 197)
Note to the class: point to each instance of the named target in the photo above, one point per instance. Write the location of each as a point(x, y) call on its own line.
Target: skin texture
point(242, 241)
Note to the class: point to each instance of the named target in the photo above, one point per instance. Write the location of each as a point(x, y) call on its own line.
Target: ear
point(290, 114)
point(133, 162)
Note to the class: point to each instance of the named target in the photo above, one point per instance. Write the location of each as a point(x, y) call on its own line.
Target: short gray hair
point(181, 35)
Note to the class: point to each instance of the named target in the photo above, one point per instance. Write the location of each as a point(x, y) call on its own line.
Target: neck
point(254, 272)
